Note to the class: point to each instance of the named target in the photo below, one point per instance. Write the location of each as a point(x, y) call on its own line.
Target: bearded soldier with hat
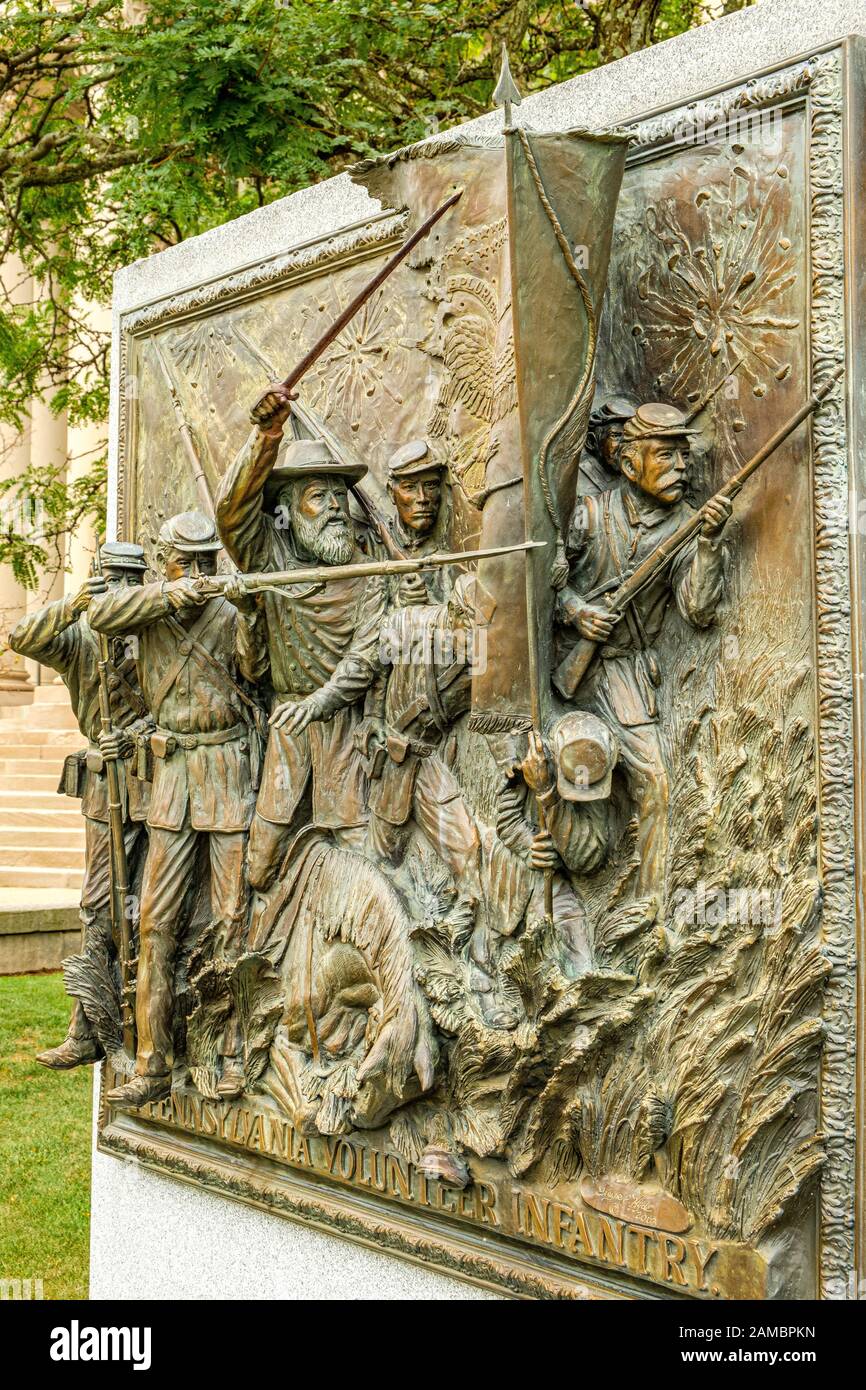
point(194, 651)
point(60, 636)
point(610, 534)
point(281, 511)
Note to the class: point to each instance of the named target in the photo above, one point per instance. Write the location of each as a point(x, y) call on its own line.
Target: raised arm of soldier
point(50, 634)
point(241, 520)
point(128, 610)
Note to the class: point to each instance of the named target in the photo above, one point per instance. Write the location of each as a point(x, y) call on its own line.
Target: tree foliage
point(127, 126)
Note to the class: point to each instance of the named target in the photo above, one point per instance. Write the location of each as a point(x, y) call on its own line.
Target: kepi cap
point(122, 555)
point(655, 420)
point(615, 410)
point(190, 532)
point(584, 753)
point(412, 458)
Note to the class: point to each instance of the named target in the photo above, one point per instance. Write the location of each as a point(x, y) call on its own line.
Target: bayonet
point(713, 391)
point(506, 92)
point(199, 478)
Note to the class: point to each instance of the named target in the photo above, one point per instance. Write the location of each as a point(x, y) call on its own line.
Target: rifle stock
point(571, 671)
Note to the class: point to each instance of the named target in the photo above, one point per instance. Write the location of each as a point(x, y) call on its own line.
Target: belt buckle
point(187, 741)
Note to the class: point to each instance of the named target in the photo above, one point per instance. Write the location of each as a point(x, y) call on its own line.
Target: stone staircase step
point(26, 877)
point(53, 694)
point(43, 781)
point(57, 740)
point(51, 837)
point(38, 855)
point(41, 717)
point(29, 767)
point(67, 815)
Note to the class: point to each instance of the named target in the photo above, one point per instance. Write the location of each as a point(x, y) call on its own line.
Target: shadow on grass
point(44, 1143)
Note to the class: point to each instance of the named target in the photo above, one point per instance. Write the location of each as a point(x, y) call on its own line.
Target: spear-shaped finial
point(506, 91)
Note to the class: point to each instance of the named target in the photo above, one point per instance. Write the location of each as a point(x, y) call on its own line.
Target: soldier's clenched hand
point(593, 622)
point(543, 853)
point(535, 767)
point(293, 716)
point(716, 514)
point(239, 596)
point(114, 745)
point(272, 409)
point(412, 591)
point(90, 588)
point(182, 593)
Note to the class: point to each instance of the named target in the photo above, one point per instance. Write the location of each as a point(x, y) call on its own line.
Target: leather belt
point(215, 736)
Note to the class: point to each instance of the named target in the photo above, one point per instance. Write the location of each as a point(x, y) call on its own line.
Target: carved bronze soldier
point(60, 636)
point(321, 641)
point(609, 535)
point(599, 467)
point(426, 654)
point(193, 652)
point(415, 486)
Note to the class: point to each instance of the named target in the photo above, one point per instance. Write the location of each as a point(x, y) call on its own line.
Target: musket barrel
point(328, 574)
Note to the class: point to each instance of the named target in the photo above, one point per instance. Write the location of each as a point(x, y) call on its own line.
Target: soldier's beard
point(332, 542)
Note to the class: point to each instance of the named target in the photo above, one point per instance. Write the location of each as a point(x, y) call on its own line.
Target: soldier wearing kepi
point(60, 636)
point(599, 466)
point(193, 653)
point(610, 534)
point(321, 640)
point(415, 488)
point(570, 775)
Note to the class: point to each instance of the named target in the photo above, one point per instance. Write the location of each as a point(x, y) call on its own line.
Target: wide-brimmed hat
point(411, 459)
point(191, 533)
point(122, 555)
point(584, 754)
point(655, 420)
point(308, 458)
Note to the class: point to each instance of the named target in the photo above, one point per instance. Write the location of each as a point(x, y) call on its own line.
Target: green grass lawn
point(44, 1143)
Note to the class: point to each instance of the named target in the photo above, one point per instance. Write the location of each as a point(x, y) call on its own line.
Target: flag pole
point(507, 95)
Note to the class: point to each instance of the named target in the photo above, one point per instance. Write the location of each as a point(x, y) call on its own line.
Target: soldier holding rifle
point(194, 651)
point(60, 636)
point(609, 535)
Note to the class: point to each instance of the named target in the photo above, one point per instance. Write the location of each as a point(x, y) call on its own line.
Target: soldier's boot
point(139, 1091)
point(79, 1048)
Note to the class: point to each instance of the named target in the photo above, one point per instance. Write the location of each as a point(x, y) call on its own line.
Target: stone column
point(48, 450)
point(16, 687)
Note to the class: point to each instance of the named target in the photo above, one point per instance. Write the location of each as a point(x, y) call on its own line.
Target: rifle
point(570, 672)
point(278, 580)
point(119, 868)
point(363, 295)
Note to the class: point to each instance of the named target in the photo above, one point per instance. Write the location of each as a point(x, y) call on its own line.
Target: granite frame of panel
point(830, 85)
